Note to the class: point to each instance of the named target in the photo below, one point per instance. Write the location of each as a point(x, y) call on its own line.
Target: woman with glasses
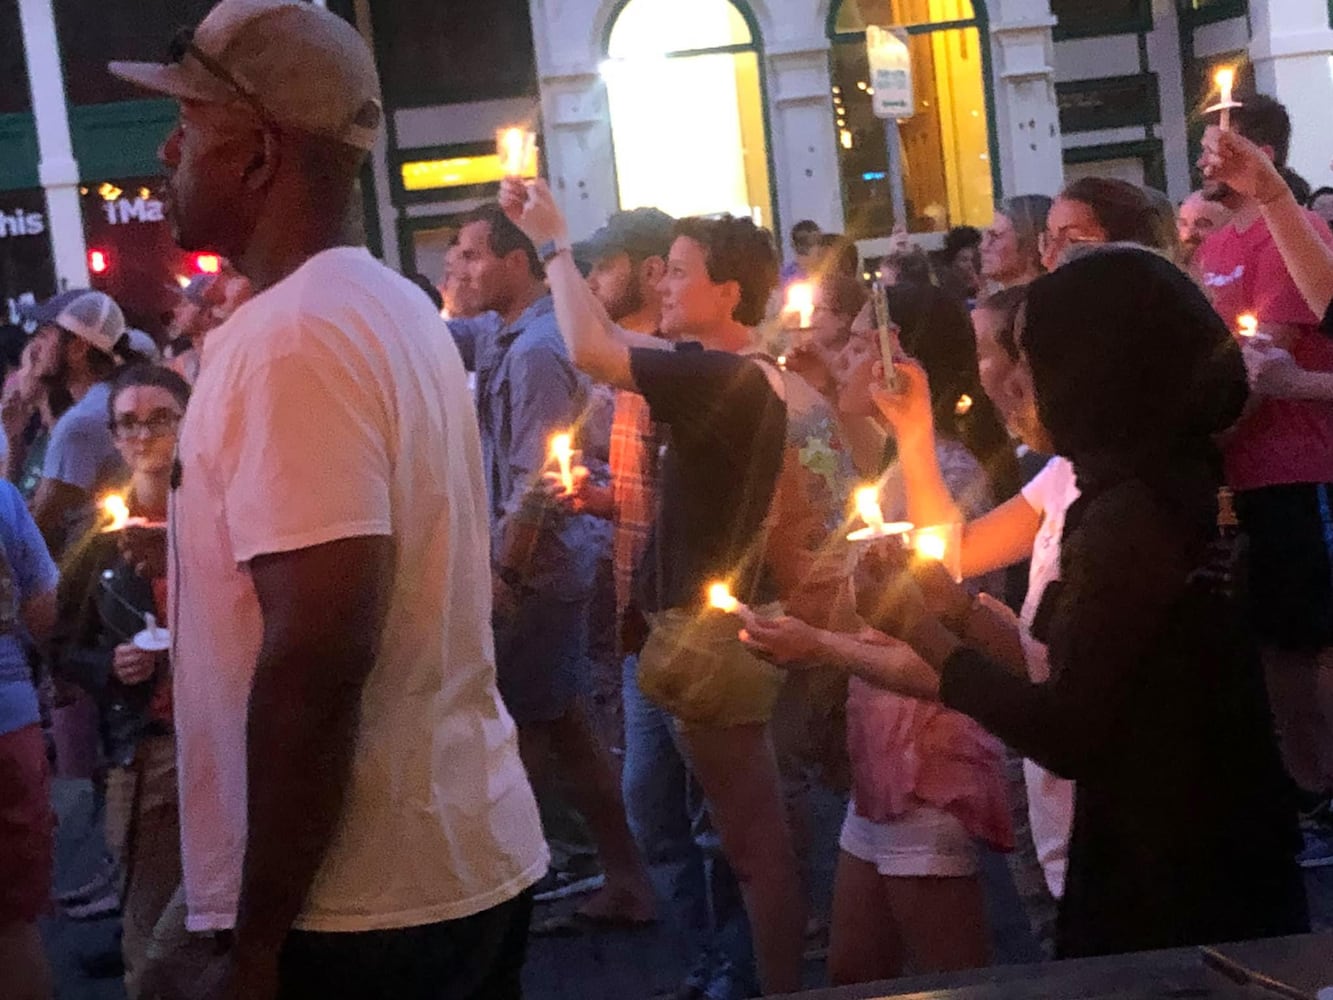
point(1099, 210)
point(104, 641)
point(1009, 248)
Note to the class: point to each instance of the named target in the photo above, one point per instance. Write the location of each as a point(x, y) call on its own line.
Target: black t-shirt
point(727, 430)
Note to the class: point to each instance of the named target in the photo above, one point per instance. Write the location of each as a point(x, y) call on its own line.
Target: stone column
point(1027, 119)
point(1291, 48)
point(57, 169)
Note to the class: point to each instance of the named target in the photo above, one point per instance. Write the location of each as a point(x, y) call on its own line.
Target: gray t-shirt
point(82, 453)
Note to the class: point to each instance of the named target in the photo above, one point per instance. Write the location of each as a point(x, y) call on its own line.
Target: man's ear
point(651, 271)
point(263, 165)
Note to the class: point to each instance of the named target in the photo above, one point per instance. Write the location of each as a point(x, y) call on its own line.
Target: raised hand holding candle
point(562, 450)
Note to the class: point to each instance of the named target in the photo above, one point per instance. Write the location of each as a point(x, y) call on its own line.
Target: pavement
point(608, 965)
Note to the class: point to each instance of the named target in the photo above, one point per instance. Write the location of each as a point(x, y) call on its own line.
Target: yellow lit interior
point(427, 175)
point(688, 130)
point(946, 144)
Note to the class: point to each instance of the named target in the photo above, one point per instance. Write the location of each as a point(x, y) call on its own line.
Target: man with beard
point(77, 335)
point(1279, 461)
point(1199, 217)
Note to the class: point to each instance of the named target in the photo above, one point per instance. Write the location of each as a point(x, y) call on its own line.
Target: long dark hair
point(937, 332)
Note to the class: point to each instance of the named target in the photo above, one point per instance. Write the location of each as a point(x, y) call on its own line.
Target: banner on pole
point(890, 72)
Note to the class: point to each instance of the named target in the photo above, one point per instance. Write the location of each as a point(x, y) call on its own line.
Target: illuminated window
point(946, 145)
point(459, 171)
point(687, 109)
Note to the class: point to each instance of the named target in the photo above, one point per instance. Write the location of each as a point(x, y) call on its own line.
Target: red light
point(207, 263)
point(98, 261)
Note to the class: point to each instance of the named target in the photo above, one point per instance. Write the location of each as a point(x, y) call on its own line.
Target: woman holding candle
point(1156, 702)
point(100, 643)
point(927, 781)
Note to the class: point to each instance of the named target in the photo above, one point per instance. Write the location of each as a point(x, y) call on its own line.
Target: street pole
point(893, 143)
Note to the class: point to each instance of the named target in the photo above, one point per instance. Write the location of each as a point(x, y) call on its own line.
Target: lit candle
point(1248, 325)
point(868, 510)
point(1225, 78)
point(941, 543)
point(801, 300)
point(116, 511)
point(515, 147)
point(719, 597)
point(963, 406)
point(562, 450)
point(867, 507)
point(932, 546)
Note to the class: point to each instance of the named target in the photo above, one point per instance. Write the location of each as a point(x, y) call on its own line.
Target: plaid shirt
point(633, 489)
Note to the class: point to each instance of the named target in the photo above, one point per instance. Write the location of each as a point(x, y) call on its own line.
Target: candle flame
point(930, 546)
point(562, 450)
point(115, 510)
point(963, 406)
point(1247, 324)
point(801, 300)
point(867, 506)
point(719, 597)
point(1225, 78)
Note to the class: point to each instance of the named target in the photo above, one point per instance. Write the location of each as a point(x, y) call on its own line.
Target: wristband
point(552, 249)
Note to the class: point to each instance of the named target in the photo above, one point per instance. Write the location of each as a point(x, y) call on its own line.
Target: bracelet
point(552, 249)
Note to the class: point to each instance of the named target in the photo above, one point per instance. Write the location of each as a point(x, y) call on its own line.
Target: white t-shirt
point(330, 407)
point(1051, 493)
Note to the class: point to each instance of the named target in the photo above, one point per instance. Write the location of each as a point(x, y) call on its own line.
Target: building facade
point(759, 107)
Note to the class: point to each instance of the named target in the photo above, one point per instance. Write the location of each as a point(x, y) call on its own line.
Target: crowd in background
point(348, 607)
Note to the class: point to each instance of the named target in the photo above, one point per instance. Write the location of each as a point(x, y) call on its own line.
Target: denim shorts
point(541, 652)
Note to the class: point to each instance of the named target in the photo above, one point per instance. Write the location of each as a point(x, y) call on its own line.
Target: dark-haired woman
point(1102, 210)
point(99, 643)
point(1156, 703)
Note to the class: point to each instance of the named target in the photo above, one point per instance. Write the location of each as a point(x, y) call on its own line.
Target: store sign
point(20, 223)
point(890, 72)
point(27, 271)
point(123, 211)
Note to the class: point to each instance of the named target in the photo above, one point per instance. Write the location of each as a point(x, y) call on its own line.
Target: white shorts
point(925, 843)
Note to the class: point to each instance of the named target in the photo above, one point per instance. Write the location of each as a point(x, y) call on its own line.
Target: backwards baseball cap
point(640, 232)
point(91, 316)
point(292, 63)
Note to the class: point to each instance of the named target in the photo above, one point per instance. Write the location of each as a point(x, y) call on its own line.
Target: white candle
point(153, 638)
point(1225, 78)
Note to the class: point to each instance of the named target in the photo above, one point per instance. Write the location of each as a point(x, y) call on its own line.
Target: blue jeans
point(669, 820)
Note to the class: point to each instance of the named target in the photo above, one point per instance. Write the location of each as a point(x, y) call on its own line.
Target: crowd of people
point(337, 576)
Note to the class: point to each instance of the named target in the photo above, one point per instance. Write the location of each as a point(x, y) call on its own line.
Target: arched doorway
point(685, 88)
point(947, 146)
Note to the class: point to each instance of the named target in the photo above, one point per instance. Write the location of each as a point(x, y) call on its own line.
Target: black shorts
point(1290, 531)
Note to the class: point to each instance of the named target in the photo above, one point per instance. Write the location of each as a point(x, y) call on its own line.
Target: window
point(946, 146)
point(685, 90)
point(452, 51)
point(1090, 18)
point(14, 93)
point(92, 32)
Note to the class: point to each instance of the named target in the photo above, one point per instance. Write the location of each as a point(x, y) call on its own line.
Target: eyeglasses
point(158, 425)
point(182, 45)
point(1063, 237)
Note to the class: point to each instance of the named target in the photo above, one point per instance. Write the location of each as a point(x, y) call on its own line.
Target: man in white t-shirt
point(353, 809)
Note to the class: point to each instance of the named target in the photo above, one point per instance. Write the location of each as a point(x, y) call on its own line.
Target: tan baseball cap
point(293, 63)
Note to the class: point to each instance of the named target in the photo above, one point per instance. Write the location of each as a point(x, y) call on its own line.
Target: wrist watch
point(552, 249)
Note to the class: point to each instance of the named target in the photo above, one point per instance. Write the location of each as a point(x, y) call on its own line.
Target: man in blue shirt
point(544, 558)
point(78, 333)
